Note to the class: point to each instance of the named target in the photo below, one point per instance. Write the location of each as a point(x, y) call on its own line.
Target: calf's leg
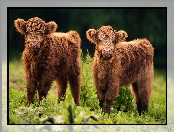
point(61, 84)
point(31, 89)
point(44, 86)
point(134, 90)
point(74, 81)
point(111, 93)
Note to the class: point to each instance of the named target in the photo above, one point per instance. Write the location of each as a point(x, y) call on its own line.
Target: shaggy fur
point(49, 56)
point(117, 63)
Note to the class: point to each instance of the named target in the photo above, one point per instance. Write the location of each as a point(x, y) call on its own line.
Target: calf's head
point(34, 30)
point(105, 40)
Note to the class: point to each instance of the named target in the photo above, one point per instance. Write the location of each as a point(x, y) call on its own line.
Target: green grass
point(49, 112)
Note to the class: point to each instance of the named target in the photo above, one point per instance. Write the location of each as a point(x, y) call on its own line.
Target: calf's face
point(105, 42)
point(35, 33)
point(34, 30)
point(105, 39)
point(34, 40)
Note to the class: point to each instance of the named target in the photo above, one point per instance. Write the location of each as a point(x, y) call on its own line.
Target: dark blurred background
point(150, 23)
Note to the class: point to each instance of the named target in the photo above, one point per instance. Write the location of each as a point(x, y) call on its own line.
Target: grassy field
point(49, 112)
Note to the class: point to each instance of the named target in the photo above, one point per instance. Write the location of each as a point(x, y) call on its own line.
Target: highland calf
point(50, 56)
point(118, 63)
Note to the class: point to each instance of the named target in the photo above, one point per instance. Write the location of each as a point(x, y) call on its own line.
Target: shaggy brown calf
point(118, 63)
point(49, 56)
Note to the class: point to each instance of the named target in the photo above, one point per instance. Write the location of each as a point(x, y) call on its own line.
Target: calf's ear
point(20, 25)
point(121, 36)
point(91, 36)
point(51, 27)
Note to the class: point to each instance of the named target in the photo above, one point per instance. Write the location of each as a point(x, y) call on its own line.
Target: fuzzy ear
point(51, 27)
point(121, 36)
point(91, 36)
point(20, 25)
